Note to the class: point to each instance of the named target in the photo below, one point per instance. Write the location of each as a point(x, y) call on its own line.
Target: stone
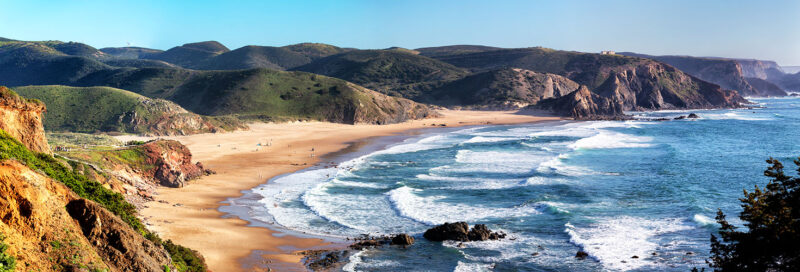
point(402, 240)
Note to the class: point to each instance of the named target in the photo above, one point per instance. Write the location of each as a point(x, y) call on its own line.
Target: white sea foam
point(609, 139)
point(737, 115)
point(353, 261)
point(484, 139)
point(472, 267)
point(433, 210)
point(613, 241)
point(704, 221)
point(557, 165)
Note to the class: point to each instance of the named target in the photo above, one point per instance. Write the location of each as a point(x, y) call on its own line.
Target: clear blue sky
point(731, 28)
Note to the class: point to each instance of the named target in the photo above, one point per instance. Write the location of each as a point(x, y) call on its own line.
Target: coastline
point(192, 215)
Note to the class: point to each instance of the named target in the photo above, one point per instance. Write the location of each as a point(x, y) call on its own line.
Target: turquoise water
point(615, 189)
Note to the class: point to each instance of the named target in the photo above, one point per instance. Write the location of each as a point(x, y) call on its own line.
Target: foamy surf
point(614, 241)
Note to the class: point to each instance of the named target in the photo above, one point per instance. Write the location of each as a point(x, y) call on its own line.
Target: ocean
point(614, 189)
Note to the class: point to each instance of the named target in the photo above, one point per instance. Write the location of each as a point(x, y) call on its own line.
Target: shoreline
point(195, 216)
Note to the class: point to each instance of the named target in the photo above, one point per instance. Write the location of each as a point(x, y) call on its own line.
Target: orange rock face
point(22, 119)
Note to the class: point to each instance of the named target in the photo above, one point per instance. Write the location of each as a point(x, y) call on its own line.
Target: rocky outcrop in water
point(402, 240)
point(459, 231)
point(22, 119)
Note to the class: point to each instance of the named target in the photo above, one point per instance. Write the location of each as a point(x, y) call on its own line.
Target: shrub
point(184, 259)
point(772, 217)
point(7, 262)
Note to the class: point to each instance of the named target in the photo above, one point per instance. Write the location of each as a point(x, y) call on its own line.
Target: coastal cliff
point(22, 119)
point(50, 228)
point(136, 171)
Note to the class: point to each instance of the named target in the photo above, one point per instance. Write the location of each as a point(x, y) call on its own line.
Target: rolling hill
point(267, 95)
point(510, 88)
point(190, 54)
point(442, 51)
point(393, 72)
point(27, 63)
point(104, 109)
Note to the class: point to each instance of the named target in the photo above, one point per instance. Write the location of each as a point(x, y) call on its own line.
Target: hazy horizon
point(731, 29)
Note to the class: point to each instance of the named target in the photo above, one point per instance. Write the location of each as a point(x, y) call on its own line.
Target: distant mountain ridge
point(209, 78)
point(728, 73)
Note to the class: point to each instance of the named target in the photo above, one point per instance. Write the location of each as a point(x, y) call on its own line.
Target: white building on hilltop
point(608, 53)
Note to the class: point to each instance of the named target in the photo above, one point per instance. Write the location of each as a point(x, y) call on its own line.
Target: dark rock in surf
point(581, 254)
point(402, 240)
point(460, 231)
point(680, 117)
point(692, 116)
point(448, 231)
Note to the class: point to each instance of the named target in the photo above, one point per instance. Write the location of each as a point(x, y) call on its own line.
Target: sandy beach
point(189, 215)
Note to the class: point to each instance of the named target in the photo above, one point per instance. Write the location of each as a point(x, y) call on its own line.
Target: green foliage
point(184, 259)
point(93, 109)
point(393, 72)
point(10, 148)
point(79, 139)
point(135, 142)
point(7, 262)
point(772, 217)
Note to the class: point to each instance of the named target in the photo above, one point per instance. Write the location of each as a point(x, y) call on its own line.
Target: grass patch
point(7, 262)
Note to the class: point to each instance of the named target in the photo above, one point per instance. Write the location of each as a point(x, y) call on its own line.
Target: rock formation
point(459, 231)
point(171, 162)
point(49, 228)
point(402, 240)
point(22, 119)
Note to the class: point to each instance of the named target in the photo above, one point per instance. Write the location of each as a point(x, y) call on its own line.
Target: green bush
point(771, 214)
point(7, 262)
point(184, 259)
point(135, 142)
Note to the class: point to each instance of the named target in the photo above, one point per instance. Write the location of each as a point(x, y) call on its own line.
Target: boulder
point(692, 116)
point(402, 240)
point(460, 231)
point(448, 231)
point(581, 254)
point(680, 117)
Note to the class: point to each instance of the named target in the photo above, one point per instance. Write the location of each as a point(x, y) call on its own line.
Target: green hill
point(130, 52)
point(190, 54)
point(392, 72)
point(26, 63)
point(510, 88)
point(104, 109)
point(316, 50)
point(255, 57)
point(267, 95)
point(441, 51)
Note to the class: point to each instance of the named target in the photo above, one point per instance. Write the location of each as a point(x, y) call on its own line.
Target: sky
point(768, 30)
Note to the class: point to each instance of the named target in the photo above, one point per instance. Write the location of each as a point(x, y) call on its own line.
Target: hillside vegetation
point(393, 72)
point(511, 88)
point(267, 95)
point(104, 109)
